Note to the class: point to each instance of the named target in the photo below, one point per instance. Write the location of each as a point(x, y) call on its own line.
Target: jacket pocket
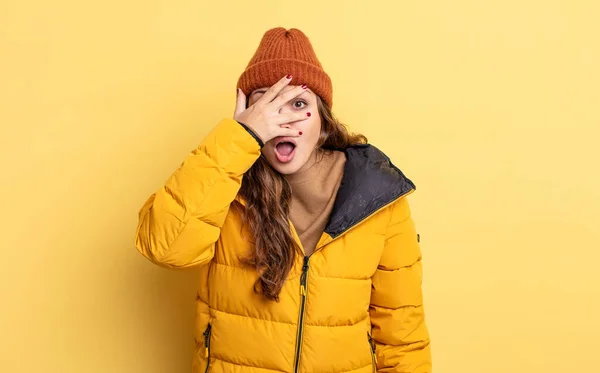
point(372, 351)
point(207, 334)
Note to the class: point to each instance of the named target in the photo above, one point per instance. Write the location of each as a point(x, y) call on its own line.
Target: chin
point(286, 168)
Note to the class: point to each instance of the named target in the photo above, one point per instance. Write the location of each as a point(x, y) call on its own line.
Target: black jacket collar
point(370, 182)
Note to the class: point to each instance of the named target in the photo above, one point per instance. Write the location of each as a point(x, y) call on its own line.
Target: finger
point(240, 104)
point(292, 117)
point(285, 97)
point(288, 132)
point(274, 90)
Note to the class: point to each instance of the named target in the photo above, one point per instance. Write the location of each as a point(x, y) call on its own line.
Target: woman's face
point(289, 155)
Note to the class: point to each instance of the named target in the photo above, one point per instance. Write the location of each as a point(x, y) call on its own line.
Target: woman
point(308, 255)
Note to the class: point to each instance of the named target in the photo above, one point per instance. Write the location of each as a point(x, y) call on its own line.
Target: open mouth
point(285, 150)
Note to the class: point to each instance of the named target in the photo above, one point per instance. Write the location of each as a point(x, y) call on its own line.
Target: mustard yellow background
point(491, 107)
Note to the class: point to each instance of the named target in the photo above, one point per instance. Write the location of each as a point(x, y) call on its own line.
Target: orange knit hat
point(283, 52)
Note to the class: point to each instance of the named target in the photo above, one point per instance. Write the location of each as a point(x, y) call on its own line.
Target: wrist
point(253, 133)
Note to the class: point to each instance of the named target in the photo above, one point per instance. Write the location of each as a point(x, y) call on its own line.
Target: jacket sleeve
point(396, 310)
point(179, 224)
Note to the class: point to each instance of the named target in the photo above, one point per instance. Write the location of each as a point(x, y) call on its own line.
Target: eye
point(299, 104)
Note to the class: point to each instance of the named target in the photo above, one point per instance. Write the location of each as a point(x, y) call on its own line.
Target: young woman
point(309, 258)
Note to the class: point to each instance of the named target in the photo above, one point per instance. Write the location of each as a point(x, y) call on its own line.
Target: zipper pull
point(373, 348)
point(207, 340)
point(303, 277)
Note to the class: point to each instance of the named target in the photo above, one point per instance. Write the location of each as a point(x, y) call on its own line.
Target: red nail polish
point(300, 133)
point(289, 76)
point(304, 86)
point(308, 114)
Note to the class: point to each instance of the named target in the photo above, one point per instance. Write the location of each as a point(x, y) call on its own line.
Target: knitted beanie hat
point(283, 52)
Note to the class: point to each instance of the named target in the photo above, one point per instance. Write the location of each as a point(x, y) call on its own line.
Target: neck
point(308, 170)
point(314, 188)
point(314, 183)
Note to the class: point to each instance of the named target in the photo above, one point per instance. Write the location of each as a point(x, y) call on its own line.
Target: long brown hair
point(268, 196)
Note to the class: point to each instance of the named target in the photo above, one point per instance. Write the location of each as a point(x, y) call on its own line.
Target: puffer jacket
point(354, 305)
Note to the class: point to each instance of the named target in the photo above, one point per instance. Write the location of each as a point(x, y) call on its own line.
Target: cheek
point(311, 131)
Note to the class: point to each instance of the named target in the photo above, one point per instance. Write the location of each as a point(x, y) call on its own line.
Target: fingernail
point(300, 133)
point(304, 86)
point(308, 114)
point(289, 76)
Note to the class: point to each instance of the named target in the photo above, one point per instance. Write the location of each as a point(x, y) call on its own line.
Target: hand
point(263, 116)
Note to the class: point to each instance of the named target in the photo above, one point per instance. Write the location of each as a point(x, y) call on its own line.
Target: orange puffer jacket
point(354, 305)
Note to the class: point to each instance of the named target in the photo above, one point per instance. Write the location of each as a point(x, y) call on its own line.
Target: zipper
point(373, 355)
point(303, 295)
point(207, 334)
point(304, 290)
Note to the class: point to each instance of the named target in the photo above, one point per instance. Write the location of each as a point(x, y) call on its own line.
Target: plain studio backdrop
point(490, 107)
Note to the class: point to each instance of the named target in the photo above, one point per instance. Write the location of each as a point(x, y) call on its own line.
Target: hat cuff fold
point(268, 72)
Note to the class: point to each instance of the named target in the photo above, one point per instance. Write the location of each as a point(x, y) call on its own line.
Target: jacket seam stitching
point(342, 278)
point(244, 365)
point(251, 317)
point(338, 326)
point(374, 305)
point(408, 266)
point(229, 265)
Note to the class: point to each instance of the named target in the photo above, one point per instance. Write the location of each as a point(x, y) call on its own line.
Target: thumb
point(240, 104)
